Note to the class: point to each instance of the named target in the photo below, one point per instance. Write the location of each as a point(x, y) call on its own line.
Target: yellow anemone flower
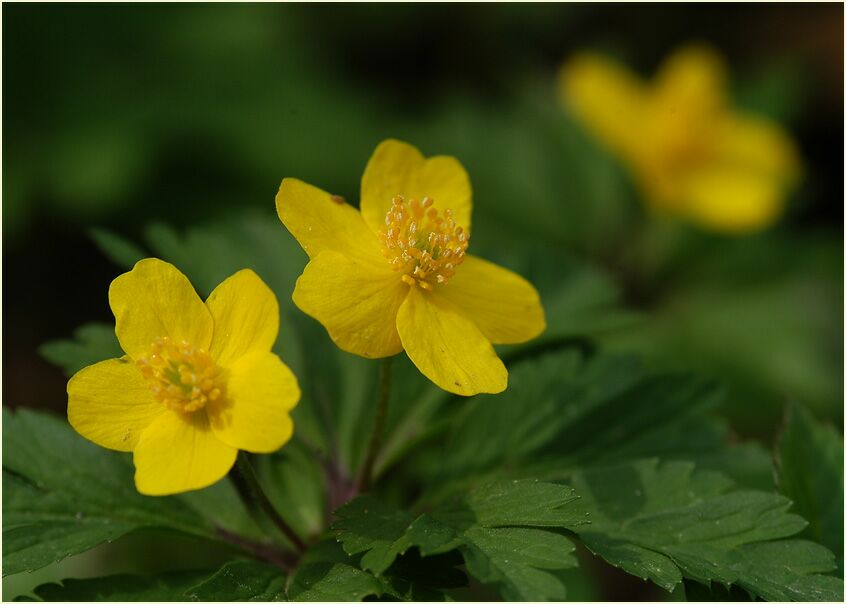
point(396, 275)
point(198, 381)
point(689, 152)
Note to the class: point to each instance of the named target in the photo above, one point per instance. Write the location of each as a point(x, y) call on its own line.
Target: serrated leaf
point(91, 343)
point(582, 411)
point(787, 570)
point(235, 581)
point(367, 525)
point(563, 412)
point(241, 581)
point(167, 587)
point(525, 503)
point(493, 527)
point(63, 495)
point(665, 521)
point(332, 582)
point(809, 461)
point(516, 559)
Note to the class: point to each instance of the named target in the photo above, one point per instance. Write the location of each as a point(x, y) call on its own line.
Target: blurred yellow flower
point(396, 275)
point(689, 152)
point(198, 381)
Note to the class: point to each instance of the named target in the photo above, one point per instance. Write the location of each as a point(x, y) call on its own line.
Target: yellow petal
point(178, 453)
point(733, 200)
point(606, 96)
point(261, 392)
point(692, 81)
point(246, 317)
point(111, 404)
point(155, 300)
point(320, 221)
point(744, 185)
point(505, 307)
point(757, 145)
point(447, 347)
point(356, 302)
point(397, 168)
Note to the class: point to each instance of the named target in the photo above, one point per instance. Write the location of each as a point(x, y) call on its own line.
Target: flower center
point(182, 377)
point(422, 245)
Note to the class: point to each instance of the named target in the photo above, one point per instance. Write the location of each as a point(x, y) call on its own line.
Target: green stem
point(257, 501)
point(366, 476)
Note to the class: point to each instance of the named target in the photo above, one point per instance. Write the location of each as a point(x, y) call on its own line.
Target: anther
point(181, 377)
point(422, 244)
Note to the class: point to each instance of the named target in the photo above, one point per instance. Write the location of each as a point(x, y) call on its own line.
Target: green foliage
point(565, 411)
point(167, 587)
point(326, 573)
point(809, 462)
point(666, 521)
point(333, 582)
point(117, 249)
point(91, 343)
point(498, 528)
point(662, 522)
point(710, 286)
point(567, 416)
point(50, 514)
point(241, 581)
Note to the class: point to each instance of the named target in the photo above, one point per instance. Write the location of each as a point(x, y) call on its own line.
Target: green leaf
point(367, 525)
point(168, 587)
point(794, 281)
point(238, 580)
point(787, 570)
point(119, 250)
point(498, 528)
point(294, 481)
point(665, 522)
point(63, 495)
point(332, 582)
point(241, 581)
point(221, 505)
point(517, 560)
point(564, 412)
point(775, 90)
point(809, 461)
point(91, 343)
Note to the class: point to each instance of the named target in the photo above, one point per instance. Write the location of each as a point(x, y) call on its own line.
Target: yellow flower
point(198, 381)
point(689, 152)
point(397, 276)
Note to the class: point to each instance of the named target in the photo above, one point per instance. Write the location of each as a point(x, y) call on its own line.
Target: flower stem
point(257, 501)
point(366, 476)
point(268, 553)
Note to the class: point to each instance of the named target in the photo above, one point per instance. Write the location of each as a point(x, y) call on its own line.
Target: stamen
point(181, 377)
point(424, 246)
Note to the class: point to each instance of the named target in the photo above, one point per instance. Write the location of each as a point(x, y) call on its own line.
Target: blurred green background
point(122, 116)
